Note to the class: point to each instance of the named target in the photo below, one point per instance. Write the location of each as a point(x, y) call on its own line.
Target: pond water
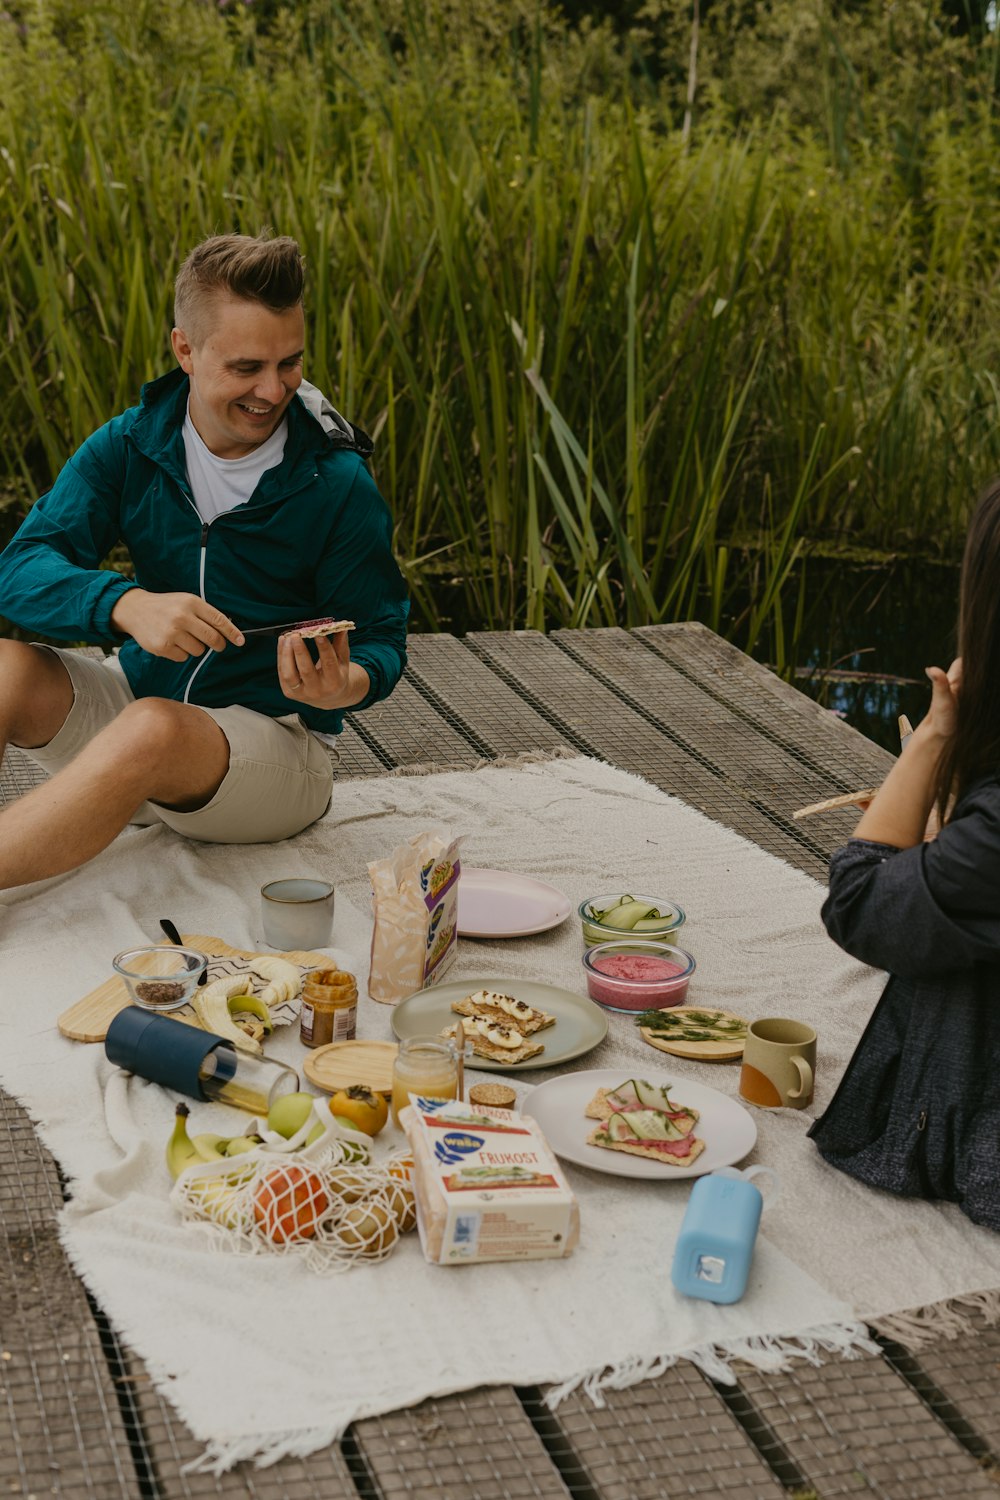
point(867, 634)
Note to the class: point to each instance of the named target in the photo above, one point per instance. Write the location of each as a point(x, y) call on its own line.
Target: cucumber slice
point(653, 924)
point(623, 918)
point(599, 914)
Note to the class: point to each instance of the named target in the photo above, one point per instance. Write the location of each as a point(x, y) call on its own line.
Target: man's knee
point(162, 724)
point(36, 693)
point(156, 735)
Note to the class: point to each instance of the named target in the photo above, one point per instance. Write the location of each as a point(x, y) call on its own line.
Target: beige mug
point(779, 1060)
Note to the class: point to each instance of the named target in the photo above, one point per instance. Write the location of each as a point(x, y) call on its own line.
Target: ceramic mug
point(779, 1060)
point(297, 913)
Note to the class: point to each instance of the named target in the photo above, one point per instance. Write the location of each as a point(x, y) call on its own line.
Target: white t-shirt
point(220, 484)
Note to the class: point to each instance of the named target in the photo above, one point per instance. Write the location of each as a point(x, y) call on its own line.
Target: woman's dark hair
point(975, 748)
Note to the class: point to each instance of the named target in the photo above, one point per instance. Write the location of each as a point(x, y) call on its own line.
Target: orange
point(289, 1203)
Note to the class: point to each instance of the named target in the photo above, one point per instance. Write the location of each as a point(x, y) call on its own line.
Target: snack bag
point(415, 895)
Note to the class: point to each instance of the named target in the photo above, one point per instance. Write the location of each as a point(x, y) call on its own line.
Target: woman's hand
point(901, 814)
point(941, 720)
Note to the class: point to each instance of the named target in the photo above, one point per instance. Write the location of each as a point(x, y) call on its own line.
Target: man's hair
point(254, 268)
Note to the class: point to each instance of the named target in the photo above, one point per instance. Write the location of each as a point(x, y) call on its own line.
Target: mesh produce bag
point(317, 1202)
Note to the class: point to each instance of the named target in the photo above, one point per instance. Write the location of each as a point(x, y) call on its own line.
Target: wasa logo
point(456, 1144)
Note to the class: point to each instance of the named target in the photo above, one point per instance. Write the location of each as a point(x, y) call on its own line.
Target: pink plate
point(500, 904)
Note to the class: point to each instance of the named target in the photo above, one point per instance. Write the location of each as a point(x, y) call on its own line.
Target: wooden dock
point(79, 1416)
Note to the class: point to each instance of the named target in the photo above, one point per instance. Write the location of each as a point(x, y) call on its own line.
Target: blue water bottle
point(718, 1234)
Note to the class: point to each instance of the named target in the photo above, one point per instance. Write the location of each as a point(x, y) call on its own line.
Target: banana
point(181, 1150)
point(210, 1147)
point(241, 1143)
point(285, 978)
point(216, 1198)
point(211, 1006)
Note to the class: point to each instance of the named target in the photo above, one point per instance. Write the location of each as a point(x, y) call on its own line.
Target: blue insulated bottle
point(718, 1234)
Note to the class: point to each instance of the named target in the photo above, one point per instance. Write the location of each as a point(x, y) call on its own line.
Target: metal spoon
point(171, 932)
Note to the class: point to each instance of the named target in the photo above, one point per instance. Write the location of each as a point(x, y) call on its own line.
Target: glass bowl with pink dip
point(633, 974)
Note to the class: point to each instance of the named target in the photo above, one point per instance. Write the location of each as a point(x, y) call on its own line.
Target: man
point(244, 501)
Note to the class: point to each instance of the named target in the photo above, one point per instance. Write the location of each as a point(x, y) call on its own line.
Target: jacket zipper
point(201, 590)
point(205, 525)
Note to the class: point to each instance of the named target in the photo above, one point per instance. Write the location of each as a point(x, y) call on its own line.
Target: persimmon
point(365, 1109)
point(289, 1203)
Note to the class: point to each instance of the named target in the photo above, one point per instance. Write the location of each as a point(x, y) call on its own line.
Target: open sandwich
point(640, 1118)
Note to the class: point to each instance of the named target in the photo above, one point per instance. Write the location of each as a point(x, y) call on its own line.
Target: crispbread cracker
point(483, 1048)
point(599, 1137)
point(322, 627)
point(600, 1109)
point(536, 1020)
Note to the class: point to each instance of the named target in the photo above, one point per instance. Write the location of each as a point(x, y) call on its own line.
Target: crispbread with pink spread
point(314, 628)
point(641, 1119)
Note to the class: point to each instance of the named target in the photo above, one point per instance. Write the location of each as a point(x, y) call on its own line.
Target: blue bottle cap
point(166, 1051)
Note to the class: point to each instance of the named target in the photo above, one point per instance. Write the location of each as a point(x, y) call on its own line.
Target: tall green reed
point(610, 379)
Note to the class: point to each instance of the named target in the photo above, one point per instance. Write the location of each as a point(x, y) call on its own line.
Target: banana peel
point(251, 1005)
point(211, 1006)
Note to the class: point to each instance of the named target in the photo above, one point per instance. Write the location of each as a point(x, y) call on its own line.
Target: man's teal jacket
point(314, 540)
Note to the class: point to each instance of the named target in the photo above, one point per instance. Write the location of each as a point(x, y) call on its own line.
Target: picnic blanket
point(262, 1358)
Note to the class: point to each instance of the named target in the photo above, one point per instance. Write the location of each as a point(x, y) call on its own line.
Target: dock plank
point(855, 1427)
point(470, 692)
point(407, 730)
point(597, 720)
point(663, 1439)
point(168, 1448)
point(61, 1430)
point(479, 1445)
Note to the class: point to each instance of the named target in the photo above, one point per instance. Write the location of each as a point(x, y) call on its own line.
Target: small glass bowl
point(160, 978)
point(664, 930)
point(623, 993)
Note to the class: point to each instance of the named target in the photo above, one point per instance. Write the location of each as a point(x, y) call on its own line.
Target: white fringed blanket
point(830, 1254)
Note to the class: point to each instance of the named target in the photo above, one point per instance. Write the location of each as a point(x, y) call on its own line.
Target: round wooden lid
point(339, 1064)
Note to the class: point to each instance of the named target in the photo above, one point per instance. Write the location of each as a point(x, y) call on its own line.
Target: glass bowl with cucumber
point(605, 918)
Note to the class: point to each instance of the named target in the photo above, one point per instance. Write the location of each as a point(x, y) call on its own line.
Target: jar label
point(345, 1023)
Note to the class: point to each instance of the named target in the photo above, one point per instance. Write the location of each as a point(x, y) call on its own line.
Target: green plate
point(580, 1024)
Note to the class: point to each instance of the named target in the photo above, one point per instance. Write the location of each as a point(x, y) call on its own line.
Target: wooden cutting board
point(339, 1064)
point(697, 1051)
point(87, 1020)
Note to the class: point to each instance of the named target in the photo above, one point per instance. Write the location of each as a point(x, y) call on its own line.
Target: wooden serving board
point(697, 1051)
point(339, 1064)
point(87, 1020)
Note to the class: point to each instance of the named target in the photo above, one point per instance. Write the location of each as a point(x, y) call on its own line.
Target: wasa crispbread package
point(487, 1186)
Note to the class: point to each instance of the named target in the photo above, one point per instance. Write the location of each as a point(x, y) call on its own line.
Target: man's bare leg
point(35, 695)
point(155, 750)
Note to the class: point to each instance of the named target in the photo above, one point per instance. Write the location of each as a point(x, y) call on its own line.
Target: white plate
point(728, 1130)
point(580, 1024)
point(501, 904)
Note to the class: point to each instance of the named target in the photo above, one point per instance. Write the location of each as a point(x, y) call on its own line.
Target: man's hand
point(173, 625)
point(331, 681)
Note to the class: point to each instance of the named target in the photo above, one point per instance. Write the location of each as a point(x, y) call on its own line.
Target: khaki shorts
point(280, 776)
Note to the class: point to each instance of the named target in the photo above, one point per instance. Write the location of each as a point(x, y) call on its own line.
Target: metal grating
point(60, 1428)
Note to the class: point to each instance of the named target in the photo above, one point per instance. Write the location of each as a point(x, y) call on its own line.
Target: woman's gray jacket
point(918, 1108)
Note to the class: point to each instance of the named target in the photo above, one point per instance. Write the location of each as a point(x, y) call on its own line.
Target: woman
point(918, 1109)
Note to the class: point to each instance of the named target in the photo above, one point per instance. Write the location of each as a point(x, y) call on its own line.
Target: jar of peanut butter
point(329, 1007)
